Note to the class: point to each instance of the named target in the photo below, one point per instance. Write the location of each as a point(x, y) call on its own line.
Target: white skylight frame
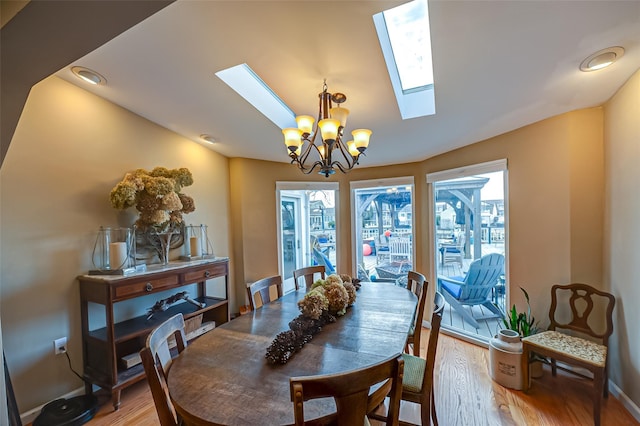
point(250, 86)
point(418, 99)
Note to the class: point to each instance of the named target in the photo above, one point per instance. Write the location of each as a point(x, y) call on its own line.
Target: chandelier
point(331, 123)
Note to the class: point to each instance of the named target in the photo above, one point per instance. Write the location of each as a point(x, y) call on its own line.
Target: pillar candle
point(194, 243)
point(117, 255)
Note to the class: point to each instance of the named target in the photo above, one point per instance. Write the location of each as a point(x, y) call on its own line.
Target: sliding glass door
point(470, 246)
point(307, 227)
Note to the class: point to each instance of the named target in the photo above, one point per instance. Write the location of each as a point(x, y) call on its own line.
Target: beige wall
point(70, 148)
point(622, 233)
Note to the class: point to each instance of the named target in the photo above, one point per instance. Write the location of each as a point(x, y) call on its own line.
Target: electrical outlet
point(60, 345)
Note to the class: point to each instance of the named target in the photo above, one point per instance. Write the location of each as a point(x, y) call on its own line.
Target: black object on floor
point(68, 412)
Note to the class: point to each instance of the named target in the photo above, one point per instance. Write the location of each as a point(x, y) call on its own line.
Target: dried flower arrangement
point(326, 300)
point(158, 198)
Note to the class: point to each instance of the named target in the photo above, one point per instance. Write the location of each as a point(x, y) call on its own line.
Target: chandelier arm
point(307, 170)
point(351, 161)
point(303, 156)
point(341, 167)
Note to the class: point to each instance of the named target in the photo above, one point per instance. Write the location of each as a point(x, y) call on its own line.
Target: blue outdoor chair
point(322, 259)
point(474, 288)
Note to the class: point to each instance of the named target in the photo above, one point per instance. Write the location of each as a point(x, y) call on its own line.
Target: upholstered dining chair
point(156, 360)
point(351, 393)
point(263, 288)
point(418, 284)
point(309, 274)
point(417, 383)
point(572, 349)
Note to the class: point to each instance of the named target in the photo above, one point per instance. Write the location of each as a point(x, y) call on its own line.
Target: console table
point(103, 347)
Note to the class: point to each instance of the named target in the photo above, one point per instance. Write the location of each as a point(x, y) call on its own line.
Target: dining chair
point(417, 384)
point(572, 349)
point(418, 284)
point(263, 287)
point(156, 360)
point(309, 274)
point(351, 393)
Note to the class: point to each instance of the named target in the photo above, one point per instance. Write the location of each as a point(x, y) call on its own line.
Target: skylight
point(406, 45)
point(250, 86)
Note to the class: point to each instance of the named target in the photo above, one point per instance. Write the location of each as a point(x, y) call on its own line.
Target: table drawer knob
point(148, 287)
point(207, 274)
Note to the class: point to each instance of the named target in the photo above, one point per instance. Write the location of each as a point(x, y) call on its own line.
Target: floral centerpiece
point(158, 197)
point(326, 300)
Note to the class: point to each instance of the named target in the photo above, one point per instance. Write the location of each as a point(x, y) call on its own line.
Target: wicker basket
point(192, 323)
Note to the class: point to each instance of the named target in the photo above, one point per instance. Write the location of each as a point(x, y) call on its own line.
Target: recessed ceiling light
point(88, 75)
point(208, 138)
point(602, 58)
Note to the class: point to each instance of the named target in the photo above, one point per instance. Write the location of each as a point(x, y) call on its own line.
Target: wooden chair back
point(421, 391)
point(309, 274)
point(418, 284)
point(350, 391)
point(582, 299)
point(156, 360)
point(434, 334)
point(263, 287)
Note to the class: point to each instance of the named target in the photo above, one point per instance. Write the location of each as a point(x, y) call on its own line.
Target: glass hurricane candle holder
point(113, 251)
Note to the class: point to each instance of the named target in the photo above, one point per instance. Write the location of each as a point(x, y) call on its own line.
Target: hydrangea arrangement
point(156, 195)
point(326, 300)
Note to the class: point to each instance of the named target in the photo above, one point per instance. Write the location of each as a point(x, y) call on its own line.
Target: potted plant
point(525, 325)
point(521, 322)
point(505, 348)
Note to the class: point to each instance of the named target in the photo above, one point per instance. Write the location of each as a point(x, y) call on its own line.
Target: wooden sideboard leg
point(115, 399)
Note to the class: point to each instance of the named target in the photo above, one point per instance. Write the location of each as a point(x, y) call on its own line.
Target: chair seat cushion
point(413, 373)
point(574, 347)
point(453, 289)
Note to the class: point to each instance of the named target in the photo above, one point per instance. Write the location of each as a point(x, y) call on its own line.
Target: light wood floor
point(465, 395)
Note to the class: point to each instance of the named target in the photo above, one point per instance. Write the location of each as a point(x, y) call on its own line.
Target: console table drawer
point(204, 273)
point(145, 287)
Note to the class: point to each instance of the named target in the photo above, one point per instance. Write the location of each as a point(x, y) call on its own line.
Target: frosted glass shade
point(351, 146)
point(292, 138)
point(305, 123)
point(329, 128)
point(361, 138)
point(339, 114)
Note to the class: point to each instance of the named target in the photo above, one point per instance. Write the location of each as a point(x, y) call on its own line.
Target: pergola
point(463, 195)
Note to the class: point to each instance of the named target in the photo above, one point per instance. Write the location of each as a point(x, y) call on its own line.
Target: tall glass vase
point(164, 240)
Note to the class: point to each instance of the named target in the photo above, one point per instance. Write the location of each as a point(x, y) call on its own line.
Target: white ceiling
point(498, 66)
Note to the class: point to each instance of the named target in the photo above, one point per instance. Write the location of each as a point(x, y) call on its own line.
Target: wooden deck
point(452, 320)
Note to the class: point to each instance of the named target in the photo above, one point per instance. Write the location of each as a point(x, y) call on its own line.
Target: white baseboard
point(631, 407)
point(29, 416)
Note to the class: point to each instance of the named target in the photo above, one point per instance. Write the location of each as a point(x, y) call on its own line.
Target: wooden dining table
point(223, 377)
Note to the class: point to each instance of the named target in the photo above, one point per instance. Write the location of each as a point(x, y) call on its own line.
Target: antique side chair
point(263, 288)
